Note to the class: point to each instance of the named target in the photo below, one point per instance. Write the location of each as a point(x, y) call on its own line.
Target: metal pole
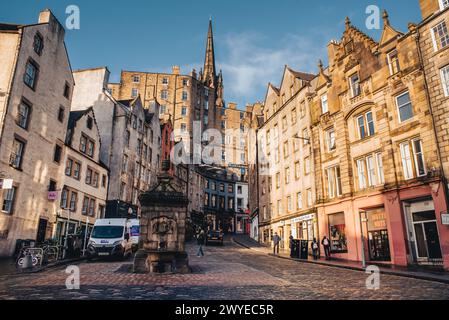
point(363, 241)
point(66, 234)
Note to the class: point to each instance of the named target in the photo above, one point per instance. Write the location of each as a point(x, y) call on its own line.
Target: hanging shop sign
point(445, 219)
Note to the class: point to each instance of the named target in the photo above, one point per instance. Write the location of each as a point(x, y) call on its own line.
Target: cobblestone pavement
point(229, 272)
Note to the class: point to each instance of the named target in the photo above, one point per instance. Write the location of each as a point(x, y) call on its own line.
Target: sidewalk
point(8, 267)
point(437, 276)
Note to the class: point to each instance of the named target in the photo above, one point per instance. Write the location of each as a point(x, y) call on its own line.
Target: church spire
point(209, 72)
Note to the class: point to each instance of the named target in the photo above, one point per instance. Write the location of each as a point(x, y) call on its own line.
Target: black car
point(214, 236)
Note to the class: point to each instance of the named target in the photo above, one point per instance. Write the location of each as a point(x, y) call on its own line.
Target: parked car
point(214, 236)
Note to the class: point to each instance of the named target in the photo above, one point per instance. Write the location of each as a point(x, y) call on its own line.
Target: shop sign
point(304, 218)
point(445, 219)
point(52, 195)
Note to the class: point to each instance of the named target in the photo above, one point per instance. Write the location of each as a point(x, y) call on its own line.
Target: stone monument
point(162, 229)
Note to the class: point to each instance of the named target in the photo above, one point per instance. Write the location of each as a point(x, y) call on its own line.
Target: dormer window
point(136, 78)
point(354, 82)
point(164, 80)
point(324, 105)
point(440, 36)
point(393, 62)
point(38, 43)
point(444, 4)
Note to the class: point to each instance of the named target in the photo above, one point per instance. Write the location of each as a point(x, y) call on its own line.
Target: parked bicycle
point(40, 255)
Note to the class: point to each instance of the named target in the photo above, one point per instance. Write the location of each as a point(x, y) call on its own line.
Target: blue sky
point(253, 39)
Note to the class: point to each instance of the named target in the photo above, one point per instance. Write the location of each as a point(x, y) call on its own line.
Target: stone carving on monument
point(162, 225)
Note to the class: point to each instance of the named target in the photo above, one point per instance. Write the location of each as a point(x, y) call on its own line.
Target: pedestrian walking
point(276, 242)
point(200, 239)
point(315, 248)
point(327, 247)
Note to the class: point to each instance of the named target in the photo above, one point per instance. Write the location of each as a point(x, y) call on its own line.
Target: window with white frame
point(164, 94)
point(444, 4)
point(333, 182)
point(289, 204)
point(393, 62)
point(8, 201)
point(305, 135)
point(405, 108)
point(412, 162)
point(445, 80)
point(371, 170)
point(297, 170)
point(330, 140)
point(440, 36)
point(307, 165)
point(380, 168)
point(309, 198)
point(361, 174)
point(299, 200)
point(287, 175)
point(279, 207)
point(324, 104)
point(134, 92)
point(365, 125)
point(354, 82)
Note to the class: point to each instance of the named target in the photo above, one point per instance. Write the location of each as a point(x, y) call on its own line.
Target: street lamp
point(296, 136)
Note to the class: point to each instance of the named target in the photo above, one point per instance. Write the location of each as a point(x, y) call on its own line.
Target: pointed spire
point(209, 73)
point(347, 23)
point(385, 17)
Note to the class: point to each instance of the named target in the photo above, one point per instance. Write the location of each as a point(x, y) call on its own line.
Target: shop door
point(433, 241)
point(426, 235)
point(379, 248)
point(41, 231)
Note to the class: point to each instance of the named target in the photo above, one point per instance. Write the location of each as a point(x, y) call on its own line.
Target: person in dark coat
point(327, 247)
point(201, 237)
point(315, 248)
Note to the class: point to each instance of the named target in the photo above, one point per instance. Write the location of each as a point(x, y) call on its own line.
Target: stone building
point(377, 172)
point(286, 180)
point(85, 181)
point(233, 129)
point(130, 135)
point(253, 120)
point(35, 92)
point(183, 98)
point(433, 37)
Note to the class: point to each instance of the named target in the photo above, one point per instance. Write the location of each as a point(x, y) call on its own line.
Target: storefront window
point(337, 233)
point(378, 243)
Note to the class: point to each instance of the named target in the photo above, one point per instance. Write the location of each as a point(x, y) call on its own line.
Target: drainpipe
point(426, 84)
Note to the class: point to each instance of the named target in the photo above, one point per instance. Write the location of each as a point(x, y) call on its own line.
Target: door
point(433, 241)
point(41, 231)
point(379, 248)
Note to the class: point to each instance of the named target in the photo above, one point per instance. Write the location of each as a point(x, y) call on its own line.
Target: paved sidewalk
point(251, 244)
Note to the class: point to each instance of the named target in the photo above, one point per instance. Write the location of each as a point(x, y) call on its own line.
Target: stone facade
point(85, 181)
point(286, 180)
point(435, 59)
point(184, 99)
point(130, 134)
point(34, 111)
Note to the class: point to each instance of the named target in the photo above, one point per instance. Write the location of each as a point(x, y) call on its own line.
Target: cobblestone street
point(229, 272)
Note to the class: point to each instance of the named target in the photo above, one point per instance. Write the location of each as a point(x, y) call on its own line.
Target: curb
point(382, 271)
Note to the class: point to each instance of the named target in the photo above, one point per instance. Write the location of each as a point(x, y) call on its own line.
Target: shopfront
point(305, 227)
point(337, 232)
point(378, 240)
point(424, 238)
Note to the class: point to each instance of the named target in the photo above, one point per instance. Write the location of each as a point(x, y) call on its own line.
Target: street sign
point(6, 184)
point(445, 219)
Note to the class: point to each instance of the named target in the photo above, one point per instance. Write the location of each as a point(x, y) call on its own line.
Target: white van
point(110, 238)
point(134, 233)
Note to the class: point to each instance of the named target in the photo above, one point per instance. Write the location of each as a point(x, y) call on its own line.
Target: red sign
point(52, 195)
